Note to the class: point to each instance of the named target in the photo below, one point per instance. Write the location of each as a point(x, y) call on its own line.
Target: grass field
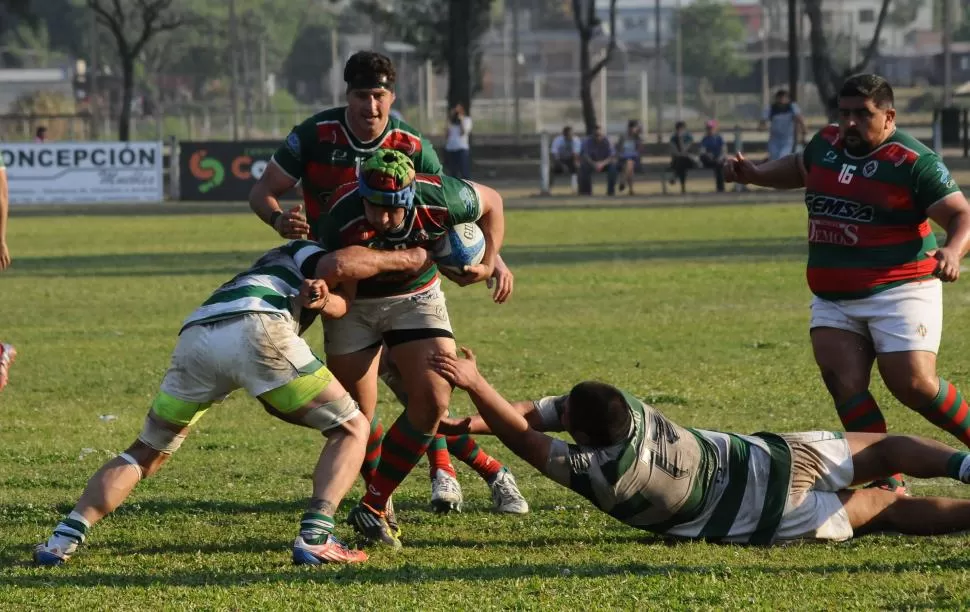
point(701, 310)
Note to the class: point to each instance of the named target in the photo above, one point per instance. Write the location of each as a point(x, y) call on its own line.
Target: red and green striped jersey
point(440, 202)
point(867, 224)
point(324, 154)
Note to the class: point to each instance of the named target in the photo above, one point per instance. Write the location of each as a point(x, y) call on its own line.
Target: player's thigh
point(841, 346)
point(357, 372)
point(428, 393)
point(907, 318)
point(317, 401)
point(866, 509)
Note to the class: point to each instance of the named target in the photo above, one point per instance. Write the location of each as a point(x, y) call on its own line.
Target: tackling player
point(641, 468)
point(246, 335)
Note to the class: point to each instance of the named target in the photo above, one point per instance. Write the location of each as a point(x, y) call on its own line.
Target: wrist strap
point(274, 217)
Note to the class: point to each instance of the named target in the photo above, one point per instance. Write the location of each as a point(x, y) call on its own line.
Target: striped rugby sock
point(315, 527)
point(401, 450)
point(467, 450)
point(438, 458)
point(949, 411)
point(372, 458)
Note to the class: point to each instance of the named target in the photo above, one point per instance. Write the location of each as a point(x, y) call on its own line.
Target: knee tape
point(326, 417)
point(134, 463)
point(161, 439)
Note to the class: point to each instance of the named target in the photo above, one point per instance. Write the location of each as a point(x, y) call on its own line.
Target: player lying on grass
point(246, 335)
point(643, 469)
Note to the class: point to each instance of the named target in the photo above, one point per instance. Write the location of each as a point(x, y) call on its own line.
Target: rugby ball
point(463, 245)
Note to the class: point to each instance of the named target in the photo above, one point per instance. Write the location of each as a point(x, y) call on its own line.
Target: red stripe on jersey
point(851, 280)
point(428, 179)
point(339, 194)
point(332, 132)
point(402, 141)
point(895, 154)
point(862, 235)
point(859, 189)
point(830, 133)
point(323, 175)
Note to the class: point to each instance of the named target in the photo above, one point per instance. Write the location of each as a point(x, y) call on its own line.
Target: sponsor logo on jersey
point(870, 168)
point(468, 199)
point(944, 173)
point(823, 231)
point(822, 205)
point(830, 156)
point(293, 144)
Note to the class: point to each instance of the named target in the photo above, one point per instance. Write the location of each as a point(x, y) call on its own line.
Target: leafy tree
point(133, 26)
point(712, 33)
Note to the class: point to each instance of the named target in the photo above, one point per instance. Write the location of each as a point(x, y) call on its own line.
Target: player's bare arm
point(503, 419)
point(332, 303)
point(264, 201)
point(785, 173)
point(492, 224)
point(360, 262)
point(476, 425)
point(952, 213)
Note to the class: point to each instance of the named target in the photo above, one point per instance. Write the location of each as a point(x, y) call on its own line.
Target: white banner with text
point(83, 172)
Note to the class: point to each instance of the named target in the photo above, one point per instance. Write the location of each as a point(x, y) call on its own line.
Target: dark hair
point(600, 411)
point(369, 66)
point(632, 123)
point(870, 86)
point(781, 92)
point(41, 130)
point(680, 124)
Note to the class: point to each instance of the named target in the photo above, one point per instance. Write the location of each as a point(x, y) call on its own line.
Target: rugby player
point(325, 152)
point(874, 265)
point(641, 468)
point(246, 335)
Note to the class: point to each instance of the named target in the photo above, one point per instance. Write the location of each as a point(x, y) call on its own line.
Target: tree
point(828, 78)
point(445, 31)
point(133, 24)
point(588, 25)
point(708, 57)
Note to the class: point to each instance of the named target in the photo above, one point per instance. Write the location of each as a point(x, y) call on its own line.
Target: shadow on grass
point(232, 262)
point(76, 576)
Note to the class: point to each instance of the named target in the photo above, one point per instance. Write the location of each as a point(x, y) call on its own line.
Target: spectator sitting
point(713, 152)
point(680, 154)
point(598, 155)
point(629, 148)
point(565, 151)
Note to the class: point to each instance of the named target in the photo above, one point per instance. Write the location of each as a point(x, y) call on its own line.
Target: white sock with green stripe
point(315, 527)
point(69, 533)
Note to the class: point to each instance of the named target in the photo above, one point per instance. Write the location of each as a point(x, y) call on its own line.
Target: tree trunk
point(827, 78)
point(586, 85)
point(459, 54)
point(127, 93)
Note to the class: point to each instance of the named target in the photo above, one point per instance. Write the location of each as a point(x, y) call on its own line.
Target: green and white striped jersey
point(676, 481)
point(269, 286)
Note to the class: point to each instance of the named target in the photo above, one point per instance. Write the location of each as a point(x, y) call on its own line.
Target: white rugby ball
point(463, 245)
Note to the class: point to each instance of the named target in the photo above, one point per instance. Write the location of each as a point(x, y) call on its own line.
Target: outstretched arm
point(355, 263)
point(503, 419)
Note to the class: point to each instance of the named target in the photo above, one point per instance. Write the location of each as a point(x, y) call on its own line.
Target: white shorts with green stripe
point(258, 352)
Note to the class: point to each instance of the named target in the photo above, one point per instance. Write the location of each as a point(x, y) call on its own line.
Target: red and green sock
point(401, 450)
point(467, 450)
point(949, 411)
point(438, 458)
point(861, 413)
point(372, 456)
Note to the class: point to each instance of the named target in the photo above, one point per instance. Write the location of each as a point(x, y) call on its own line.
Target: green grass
point(701, 310)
